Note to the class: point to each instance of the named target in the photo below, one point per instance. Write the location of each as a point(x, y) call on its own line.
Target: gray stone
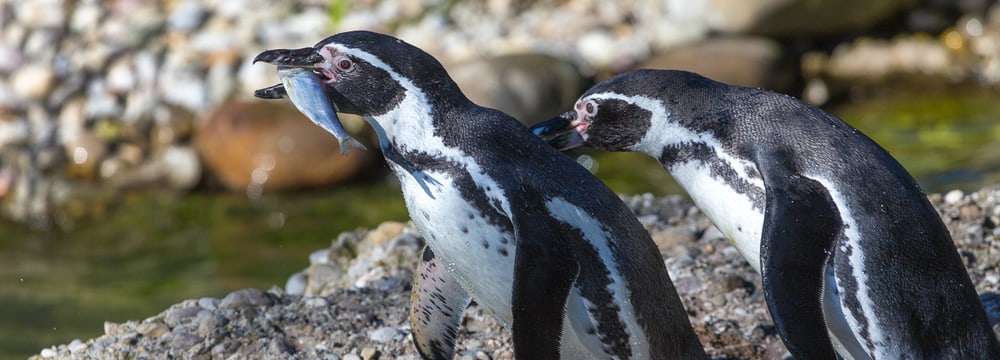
point(384, 334)
point(246, 298)
point(296, 284)
point(183, 340)
point(177, 315)
point(187, 16)
point(76, 346)
point(208, 303)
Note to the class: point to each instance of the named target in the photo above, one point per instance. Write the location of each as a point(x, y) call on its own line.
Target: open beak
point(559, 132)
point(293, 58)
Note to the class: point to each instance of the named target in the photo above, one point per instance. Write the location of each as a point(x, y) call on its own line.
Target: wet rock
point(271, 146)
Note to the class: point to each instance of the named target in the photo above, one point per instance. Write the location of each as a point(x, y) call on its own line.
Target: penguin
point(854, 259)
point(559, 261)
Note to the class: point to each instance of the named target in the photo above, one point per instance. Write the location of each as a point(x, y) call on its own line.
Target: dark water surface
point(150, 250)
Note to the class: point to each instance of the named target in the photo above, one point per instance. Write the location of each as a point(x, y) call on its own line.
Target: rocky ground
point(351, 303)
point(124, 93)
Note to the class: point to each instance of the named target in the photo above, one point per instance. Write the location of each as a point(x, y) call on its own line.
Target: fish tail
point(347, 143)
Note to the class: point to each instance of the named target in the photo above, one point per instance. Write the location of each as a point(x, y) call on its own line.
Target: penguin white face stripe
point(669, 132)
point(864, 319)
point(574, 216)
point(410, 126)
point(739, 216)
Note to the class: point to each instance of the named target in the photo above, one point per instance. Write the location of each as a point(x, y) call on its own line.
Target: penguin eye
point(345, 64)
point(591, 107)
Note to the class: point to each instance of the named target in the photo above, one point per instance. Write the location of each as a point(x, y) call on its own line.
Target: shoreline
point(352, 301)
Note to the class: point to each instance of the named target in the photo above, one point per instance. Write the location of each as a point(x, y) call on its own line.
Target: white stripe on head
point(410, 126)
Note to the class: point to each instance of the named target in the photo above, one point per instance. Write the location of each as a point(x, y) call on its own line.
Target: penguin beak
point(304, 57)
point(560, 132)
point(300, 58)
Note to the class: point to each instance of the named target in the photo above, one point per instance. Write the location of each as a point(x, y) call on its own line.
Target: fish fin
point(347, 143)
point(437, 302)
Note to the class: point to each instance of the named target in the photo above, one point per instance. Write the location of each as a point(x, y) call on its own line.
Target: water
point(144, 252)
point(152, 250)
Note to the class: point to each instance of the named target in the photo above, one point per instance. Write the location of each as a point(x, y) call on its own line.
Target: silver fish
point(306, 92)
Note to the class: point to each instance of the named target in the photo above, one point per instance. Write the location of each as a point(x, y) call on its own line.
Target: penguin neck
point(411, 126)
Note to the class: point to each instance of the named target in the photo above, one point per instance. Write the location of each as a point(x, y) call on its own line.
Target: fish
point(305, 90)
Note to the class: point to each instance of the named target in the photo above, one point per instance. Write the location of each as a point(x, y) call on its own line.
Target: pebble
point(153, 329)
point(48, 353)
point(208, 303)
point(177, 315)
point(384, 334)
point(352, 357)
point(953, 197)
point(33, 81)
point(321, 256)
point(369, 353)
point(76, 346)
point(316, 302)
point(246, 298)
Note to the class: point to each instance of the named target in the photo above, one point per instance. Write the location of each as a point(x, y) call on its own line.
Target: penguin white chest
point(477, 250)
point(733, 212)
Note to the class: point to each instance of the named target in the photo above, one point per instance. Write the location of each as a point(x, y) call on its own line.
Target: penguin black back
point(813, 204)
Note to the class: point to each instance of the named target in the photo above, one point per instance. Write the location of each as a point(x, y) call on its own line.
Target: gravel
point(362, 312)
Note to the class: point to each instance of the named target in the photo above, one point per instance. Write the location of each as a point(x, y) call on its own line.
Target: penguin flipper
point(801, 223)
point(437, 302)
point(545, 268)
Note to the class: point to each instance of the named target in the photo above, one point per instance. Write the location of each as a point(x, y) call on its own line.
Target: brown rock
point(529, 87)
point(746, 61)
point(271, 145)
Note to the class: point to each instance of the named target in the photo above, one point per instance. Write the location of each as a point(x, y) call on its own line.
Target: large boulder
point(795, 18)
point(269, 145)
point(529, 87)
point(738, 60)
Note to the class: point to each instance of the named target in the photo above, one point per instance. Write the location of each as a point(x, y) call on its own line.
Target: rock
point(953, 197)
point(531, 88)
point(209, 303)
point(154, 329)
point(789, 18)
point(76, 346)
point(246, 298)
point(384, 334)
point(33, 81)
point(176, 168)
point(746, 61)
point(85, 152)
point(369, 353)
point(271, 146)
point(175, 316)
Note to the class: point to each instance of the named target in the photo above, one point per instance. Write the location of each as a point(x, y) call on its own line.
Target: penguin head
point(363, 72)
point(610, 116)
point(617, 114)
